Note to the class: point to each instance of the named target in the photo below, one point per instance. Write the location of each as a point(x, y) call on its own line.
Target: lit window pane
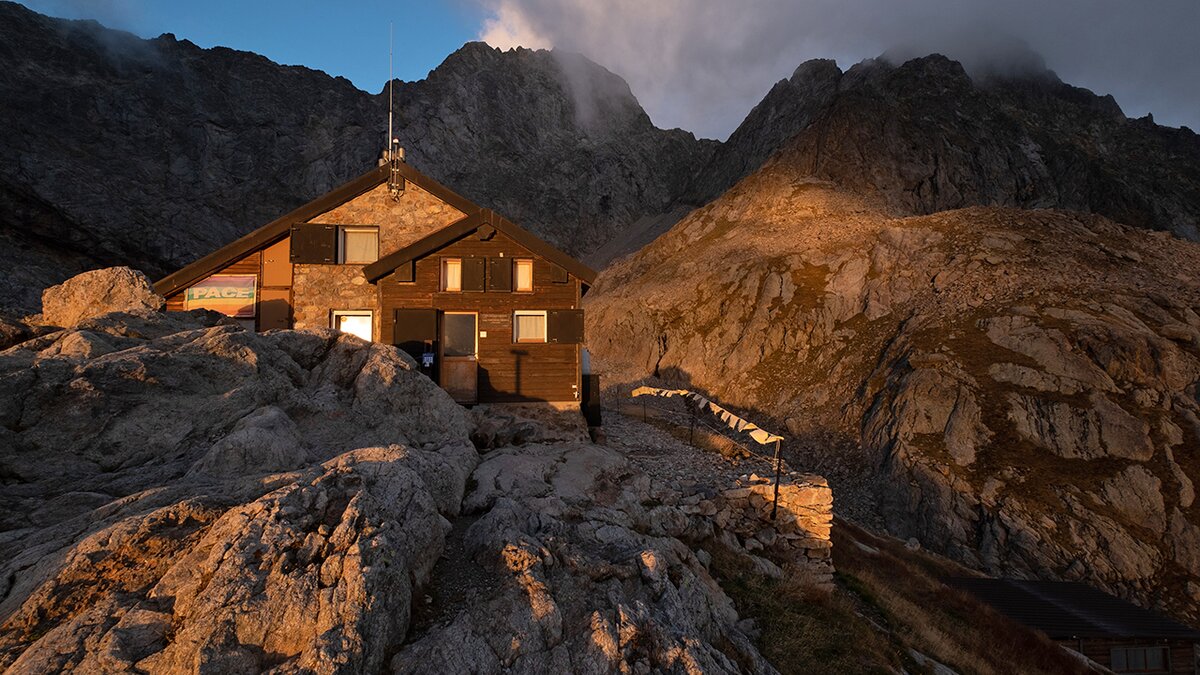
point(529, 327)
point(452, 275)
point(524, 275)
point(355, 324)
point(360, 246)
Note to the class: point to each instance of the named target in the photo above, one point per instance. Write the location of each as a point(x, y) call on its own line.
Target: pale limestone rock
point(163, 537)
point(1137, 494)
point(91, 294)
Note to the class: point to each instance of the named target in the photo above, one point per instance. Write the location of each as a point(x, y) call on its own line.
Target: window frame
point(442, 280)
point(517, 262)
point(442, 331)
point(531, 312)
point(337, 313)
point(341, 243)
point(1144, 649)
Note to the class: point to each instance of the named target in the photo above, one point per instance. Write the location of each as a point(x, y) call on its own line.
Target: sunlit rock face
point(152, 153)
point(1021, 385)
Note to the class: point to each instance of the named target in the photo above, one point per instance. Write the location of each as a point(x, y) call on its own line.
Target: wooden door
point(460, 356)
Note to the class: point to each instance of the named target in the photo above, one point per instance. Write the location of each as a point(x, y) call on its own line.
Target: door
point(460, 356)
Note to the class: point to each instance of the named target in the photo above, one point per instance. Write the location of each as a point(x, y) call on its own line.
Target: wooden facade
point(299, 282)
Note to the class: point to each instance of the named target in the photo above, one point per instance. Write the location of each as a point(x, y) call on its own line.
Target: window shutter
point(473, 273)
point(412, 328)
point(564, 326)
point(500, 274)
point(404, 272)
point(558, 275)
point(314, 243)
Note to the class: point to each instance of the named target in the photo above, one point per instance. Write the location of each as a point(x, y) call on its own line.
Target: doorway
point(460, 356)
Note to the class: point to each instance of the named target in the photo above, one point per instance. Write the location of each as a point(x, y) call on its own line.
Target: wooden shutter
point(314, 243)
point(405, 272)
point(473, 273)
point(500, 274)
point(564, 326)
point(276, 265)
point(413, 328)
point(558, 275)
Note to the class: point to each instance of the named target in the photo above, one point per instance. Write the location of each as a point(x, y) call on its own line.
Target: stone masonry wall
point(799, 534)
point(318, 289)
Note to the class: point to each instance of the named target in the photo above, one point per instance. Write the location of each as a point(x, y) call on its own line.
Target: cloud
point(702, 64)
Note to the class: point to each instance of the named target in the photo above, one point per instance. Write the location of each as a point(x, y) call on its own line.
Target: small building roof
point(279, 228)
point(1072, 610)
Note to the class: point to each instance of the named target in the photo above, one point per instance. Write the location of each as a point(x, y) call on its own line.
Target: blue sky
point(347, 39)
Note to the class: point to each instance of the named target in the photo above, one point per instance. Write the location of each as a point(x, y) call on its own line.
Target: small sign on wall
point(230, 294)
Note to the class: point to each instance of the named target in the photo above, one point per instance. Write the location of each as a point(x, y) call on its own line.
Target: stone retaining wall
point(797, 537)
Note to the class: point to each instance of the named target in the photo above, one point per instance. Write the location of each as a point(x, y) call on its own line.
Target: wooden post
point(778, 470)
point(692, 428)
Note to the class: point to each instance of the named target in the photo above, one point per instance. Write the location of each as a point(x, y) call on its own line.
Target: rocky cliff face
point(119, 150)
point(1021, 384)
point(928, 137)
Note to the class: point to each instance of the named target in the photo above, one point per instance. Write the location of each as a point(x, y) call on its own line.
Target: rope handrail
point(760, 435)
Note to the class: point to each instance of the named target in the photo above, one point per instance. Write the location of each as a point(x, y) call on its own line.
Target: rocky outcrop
point(180, 494)
point(99, 292)
point(151, 153)
point(1020, 385)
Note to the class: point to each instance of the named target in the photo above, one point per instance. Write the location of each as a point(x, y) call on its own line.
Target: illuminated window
point(529, 326)
point(358, 245)
point(355, 322)
point(524, 275)
point(452, 274)
point(1140, 660)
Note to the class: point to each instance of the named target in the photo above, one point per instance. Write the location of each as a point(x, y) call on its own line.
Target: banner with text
point(229, 294)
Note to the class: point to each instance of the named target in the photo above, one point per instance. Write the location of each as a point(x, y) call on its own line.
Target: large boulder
point(92, 294)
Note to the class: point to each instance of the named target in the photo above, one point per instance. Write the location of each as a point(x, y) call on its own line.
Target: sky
point(702, 64)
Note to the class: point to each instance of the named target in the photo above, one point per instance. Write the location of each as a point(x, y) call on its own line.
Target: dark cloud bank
point(702, 64)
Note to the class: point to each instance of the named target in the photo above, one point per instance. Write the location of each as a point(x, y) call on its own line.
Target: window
point(358, 245)
point(1140, 660)
point(452, 274)
point(529, 326)
point(524, 275)
point(355, 322)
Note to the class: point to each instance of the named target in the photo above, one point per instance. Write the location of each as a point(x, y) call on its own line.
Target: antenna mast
point(395, 154)
point(390, 80)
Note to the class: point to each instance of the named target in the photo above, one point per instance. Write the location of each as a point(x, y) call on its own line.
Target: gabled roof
point(468, 225)
point(280, 227)
point(1072, 610)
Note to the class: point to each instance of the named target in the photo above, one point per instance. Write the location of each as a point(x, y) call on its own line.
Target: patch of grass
point(803, 629)
point(888, 602)
point(942, 622)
